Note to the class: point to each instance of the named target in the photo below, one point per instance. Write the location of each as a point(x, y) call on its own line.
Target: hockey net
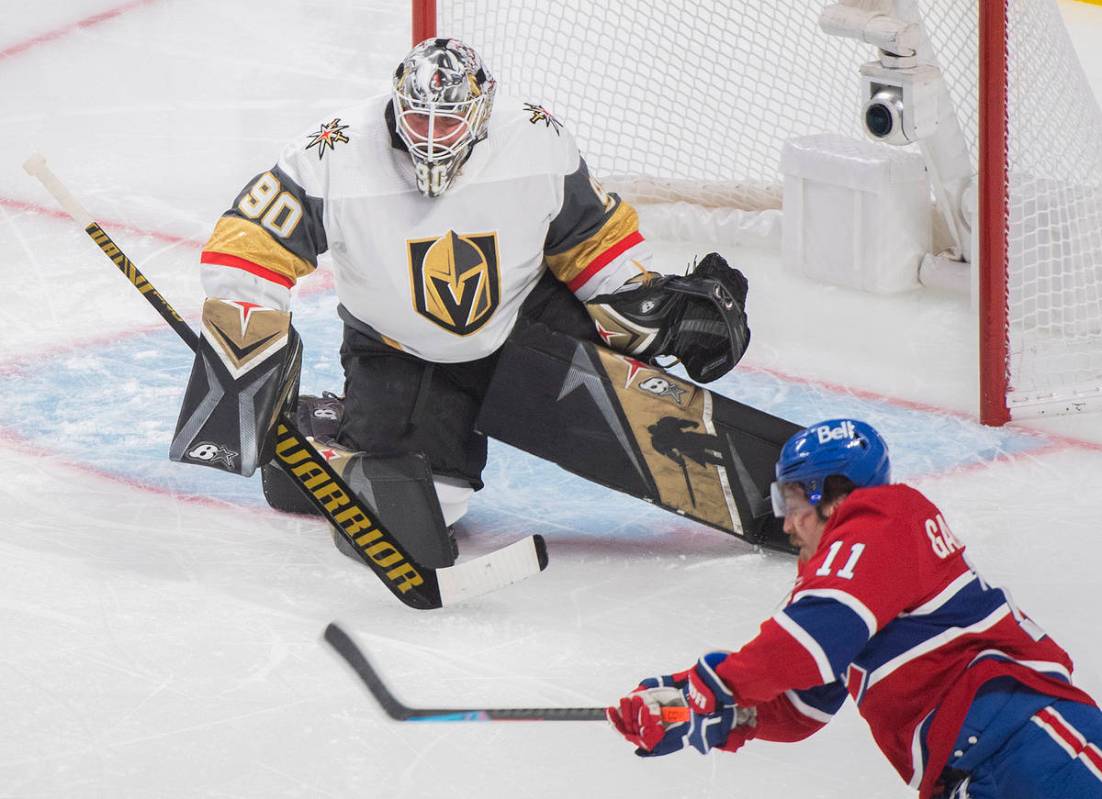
point(689, 101)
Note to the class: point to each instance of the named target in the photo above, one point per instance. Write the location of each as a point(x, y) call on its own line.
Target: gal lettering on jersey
point(942, 540)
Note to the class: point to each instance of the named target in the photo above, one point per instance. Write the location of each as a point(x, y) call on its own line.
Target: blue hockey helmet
point(846, 447)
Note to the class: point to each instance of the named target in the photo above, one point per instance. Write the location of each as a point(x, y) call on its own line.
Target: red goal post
point(1032, 126)
point(994, 216)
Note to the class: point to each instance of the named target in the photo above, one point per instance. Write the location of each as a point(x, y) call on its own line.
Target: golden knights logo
point(329, 135)
point(541, 114)
point(455, 280)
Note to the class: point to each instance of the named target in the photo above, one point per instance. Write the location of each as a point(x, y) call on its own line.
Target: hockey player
point(964, 694)
point(452, 215)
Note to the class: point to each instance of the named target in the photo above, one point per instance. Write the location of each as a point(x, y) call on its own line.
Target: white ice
point(160, 632)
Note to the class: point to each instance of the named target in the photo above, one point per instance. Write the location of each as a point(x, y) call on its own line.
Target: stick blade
point(492, 571)
point(347, 649)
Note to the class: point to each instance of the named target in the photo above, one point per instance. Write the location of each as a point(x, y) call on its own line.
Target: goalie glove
point(245, 372)
point(699, 318)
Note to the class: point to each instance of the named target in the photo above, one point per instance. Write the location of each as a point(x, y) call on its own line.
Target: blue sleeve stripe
point(839, 631)
point(815, 705)
point(945, 595)
point(805, 639)
point(849, 600)
point(935, 642)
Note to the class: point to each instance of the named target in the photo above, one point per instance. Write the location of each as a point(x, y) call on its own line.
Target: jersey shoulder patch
point(538, 114)
point(328, 136)
point(344, 149)
point(523, 132)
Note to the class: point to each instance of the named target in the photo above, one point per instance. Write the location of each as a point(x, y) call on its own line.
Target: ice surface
point(160, 627)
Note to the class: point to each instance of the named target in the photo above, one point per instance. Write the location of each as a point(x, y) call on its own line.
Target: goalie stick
point(415, 585)
point(347, 649)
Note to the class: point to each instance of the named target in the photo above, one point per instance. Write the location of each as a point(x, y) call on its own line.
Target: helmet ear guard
point(443, 96)
point(844, 447)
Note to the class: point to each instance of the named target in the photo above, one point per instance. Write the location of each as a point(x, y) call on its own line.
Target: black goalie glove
point(699, 318)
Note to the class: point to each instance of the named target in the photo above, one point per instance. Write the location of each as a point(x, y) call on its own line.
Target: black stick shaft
point(354, 656)
point(139, 281)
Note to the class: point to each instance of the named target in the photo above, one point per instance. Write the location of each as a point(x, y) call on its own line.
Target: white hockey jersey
point(443, 278)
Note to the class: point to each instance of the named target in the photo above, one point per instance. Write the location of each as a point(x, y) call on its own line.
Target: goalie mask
point(442, 99)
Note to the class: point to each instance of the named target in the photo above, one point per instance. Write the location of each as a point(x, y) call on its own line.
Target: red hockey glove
point(644, 715)
point(654, 718)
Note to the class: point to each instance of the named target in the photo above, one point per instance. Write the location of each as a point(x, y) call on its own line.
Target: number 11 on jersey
point(846, 572)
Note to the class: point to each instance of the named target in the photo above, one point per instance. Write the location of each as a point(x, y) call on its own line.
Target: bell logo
point(827, 434)
point(455, 280)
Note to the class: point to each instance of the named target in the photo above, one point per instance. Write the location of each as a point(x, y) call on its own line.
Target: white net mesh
point(678, 98)
point(682, 100)
point(1055, 230)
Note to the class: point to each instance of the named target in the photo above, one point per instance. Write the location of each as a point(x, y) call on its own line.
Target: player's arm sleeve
point(809, 643)
point(593, 244)
point(856, 586)
point(270, 237)
point(792, 716)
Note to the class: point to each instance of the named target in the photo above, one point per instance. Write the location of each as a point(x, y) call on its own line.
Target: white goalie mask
point(443, 95)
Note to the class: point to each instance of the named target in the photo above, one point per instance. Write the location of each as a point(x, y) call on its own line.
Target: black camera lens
point(878, 120)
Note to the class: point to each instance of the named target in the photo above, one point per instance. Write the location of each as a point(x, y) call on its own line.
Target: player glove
point(639, 718)
point(705, 690)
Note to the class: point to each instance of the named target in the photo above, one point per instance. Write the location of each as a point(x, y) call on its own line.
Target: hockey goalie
point(481, 271)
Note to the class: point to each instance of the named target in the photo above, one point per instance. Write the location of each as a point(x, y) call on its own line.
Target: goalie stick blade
point(354, 656)
point(490, 572)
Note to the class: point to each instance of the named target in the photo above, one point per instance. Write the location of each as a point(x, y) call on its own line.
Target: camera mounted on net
point(900, 104)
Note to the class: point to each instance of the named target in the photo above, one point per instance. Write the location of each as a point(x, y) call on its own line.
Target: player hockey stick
point(415, 585)
point(347, 649)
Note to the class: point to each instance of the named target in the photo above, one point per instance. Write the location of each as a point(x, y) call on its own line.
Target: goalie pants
point(1025, 745)
point(398, 403)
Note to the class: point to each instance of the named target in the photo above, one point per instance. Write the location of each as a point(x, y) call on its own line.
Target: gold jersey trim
point(568, 265)
point(241, 238)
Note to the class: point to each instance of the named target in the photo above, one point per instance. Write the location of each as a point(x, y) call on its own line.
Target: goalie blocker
point(245, 372)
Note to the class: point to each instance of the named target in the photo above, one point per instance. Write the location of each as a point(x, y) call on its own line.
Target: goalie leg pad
point(400, 488)
point(630, 426)
point(245, 372)
point(318, 419)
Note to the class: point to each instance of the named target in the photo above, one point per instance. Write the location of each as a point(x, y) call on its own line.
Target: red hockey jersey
point(890, 611)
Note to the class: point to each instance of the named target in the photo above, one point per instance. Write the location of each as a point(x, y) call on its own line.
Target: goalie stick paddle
point(415, 585)
point(354, 656)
